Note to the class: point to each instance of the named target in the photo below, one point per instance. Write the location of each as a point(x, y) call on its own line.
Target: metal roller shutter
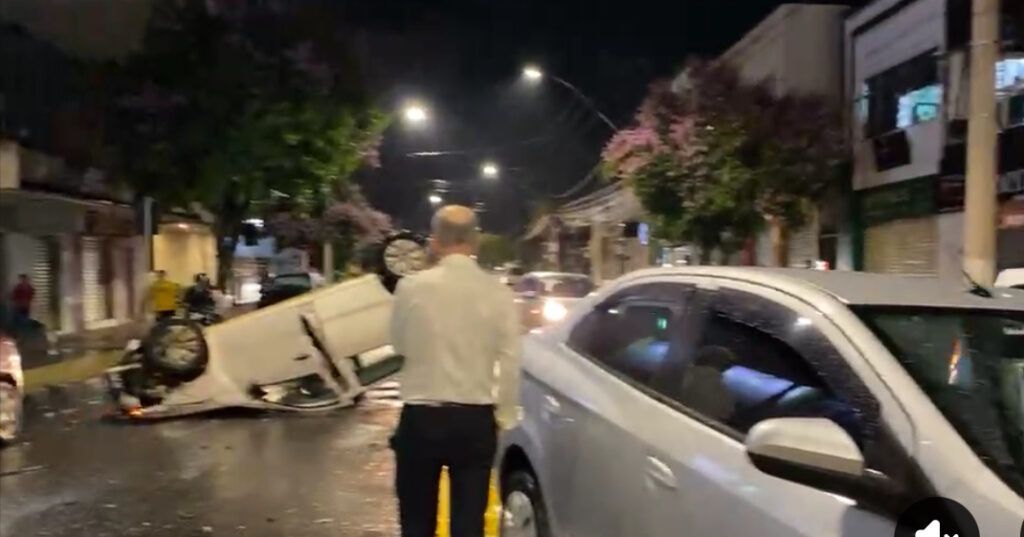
point(803, 246)
point(43, 280)
point(902, 247)
point(94, 296)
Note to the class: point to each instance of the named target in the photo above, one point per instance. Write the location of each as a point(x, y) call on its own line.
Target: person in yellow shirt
point(163, 296)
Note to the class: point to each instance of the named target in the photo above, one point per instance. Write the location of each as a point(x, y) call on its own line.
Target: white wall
point(19, 254)
point(917, 28)
point(797, 49)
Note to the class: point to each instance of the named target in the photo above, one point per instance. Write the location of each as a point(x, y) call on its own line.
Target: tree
point(348, 222)
point(495, 250)
point(718, 159)
point(227, 107)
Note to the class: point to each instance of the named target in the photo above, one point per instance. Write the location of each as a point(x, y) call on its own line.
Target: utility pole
point(982, 138)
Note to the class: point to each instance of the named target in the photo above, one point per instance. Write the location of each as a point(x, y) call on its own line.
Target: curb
point(90, 364)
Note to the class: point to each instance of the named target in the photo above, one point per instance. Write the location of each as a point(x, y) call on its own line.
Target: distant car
point(12, 386)
point(1013, 277)
point(285, 286)
point(546, 297)
point(750, 402)
point(510, 275)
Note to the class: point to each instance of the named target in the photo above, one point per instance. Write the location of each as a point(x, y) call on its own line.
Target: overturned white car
point(313, 352)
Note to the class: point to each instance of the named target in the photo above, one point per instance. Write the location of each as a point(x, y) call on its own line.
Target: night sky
point(464, 57)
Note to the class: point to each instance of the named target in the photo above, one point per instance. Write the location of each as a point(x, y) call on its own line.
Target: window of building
point(918, 106)
point(1010, 74)
point(902, 96)
point(1015, 110)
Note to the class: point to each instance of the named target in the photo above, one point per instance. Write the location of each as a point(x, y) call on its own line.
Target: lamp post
point(534, 75)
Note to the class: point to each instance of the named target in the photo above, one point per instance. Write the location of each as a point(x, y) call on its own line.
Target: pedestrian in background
point(453, 323)
point(21, 298)
point(163, 296)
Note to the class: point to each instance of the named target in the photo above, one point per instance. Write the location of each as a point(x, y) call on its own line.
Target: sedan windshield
point(971, 364)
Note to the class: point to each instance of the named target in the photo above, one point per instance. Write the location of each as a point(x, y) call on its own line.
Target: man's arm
point(509, 358)
point(399, 316)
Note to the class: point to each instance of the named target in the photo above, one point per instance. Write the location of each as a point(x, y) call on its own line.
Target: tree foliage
point(715, 158)
point(230, 106)
point(348, 221)
point(495, 250)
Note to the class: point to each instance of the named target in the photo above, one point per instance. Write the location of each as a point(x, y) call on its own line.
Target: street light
point(489, 170)
point(532, 73)
point(415, 113)
point(435, 199)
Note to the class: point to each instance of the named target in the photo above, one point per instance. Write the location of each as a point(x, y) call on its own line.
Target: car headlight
point(554, 311)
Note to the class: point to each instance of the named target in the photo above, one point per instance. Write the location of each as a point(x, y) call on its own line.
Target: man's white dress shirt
point(459, 330)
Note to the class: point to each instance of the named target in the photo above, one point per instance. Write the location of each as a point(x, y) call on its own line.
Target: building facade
point(74, 237)
point(603, 234)
point(907, 87)
point(797, 50)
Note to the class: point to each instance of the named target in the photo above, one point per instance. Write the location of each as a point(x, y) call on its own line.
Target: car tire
point(387, 274)
point(177, 348)
point(523, 510)
point(10, 413)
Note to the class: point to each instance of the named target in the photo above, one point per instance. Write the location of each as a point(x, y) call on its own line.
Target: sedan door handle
point(551, 410)
point(660, 474)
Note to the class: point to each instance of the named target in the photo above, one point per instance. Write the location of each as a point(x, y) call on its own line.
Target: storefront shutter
point(906, 246)
point(803, 246)
point(93, 289)
point(43, 280)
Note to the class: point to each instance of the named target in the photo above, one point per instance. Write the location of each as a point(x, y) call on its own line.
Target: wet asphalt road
point(239, 474)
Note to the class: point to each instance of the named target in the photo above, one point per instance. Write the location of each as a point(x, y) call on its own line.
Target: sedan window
point(740, 375)
point(751, 360)
point(630, 332)
point(630, 339)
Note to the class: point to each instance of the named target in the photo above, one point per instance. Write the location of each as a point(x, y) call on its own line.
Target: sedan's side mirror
point(820, 454)
point(798, 448)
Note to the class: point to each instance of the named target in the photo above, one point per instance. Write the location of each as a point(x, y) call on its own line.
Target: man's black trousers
point(461, 437)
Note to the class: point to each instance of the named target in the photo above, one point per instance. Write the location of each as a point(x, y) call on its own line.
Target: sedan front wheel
point(523, 512)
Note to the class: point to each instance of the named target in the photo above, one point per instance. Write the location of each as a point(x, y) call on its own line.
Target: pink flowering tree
point(714, 159)
point(348, 222)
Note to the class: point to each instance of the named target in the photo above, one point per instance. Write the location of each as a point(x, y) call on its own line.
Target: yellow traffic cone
point(492, 517)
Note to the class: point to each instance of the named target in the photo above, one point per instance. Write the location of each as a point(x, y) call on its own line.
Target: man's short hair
point(455, 225)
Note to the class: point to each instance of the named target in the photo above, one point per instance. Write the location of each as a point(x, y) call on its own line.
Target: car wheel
point(176, 347)
point(523, 512)
point(10, 413)
point(401, 254)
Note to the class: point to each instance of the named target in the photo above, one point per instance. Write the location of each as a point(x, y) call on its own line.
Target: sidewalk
point(80, 356)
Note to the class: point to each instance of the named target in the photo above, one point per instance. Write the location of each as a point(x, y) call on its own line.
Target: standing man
point(21, 297)
point(454, 323)
point(163, 296)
